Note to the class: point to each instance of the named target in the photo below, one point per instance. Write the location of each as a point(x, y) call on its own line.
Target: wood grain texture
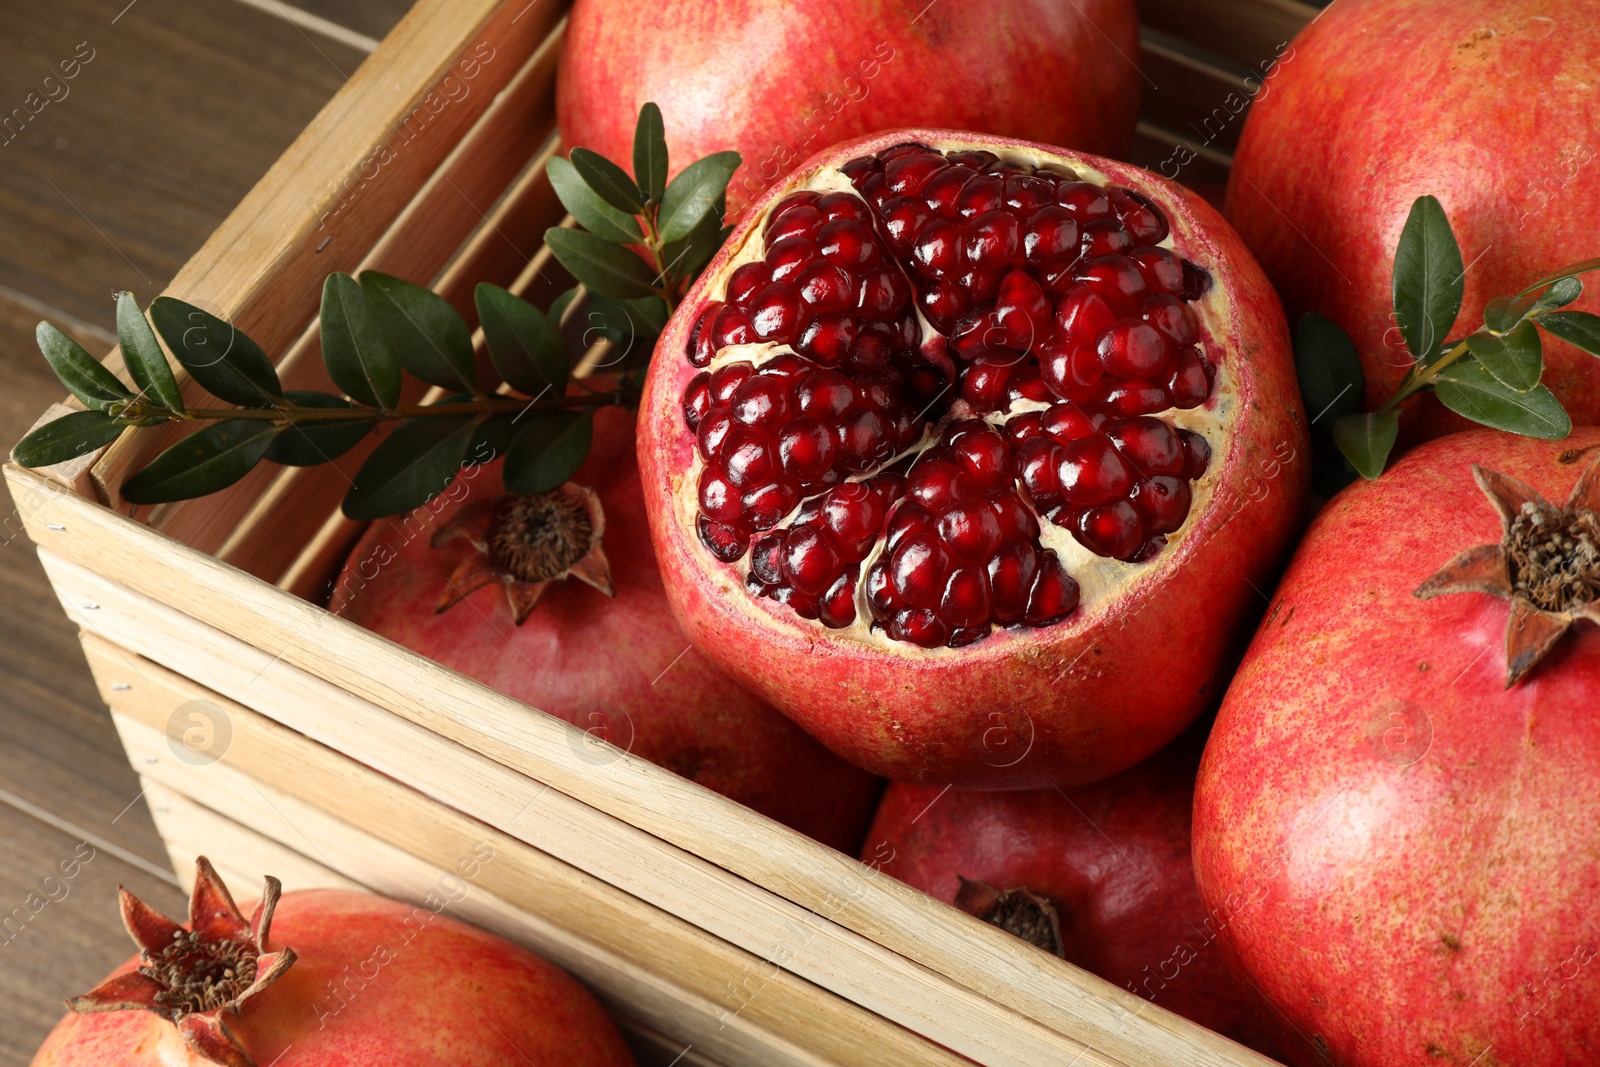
point(1248, 32)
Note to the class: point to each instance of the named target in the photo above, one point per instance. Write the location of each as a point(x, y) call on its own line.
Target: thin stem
point(1424, 377)
point(653, 243)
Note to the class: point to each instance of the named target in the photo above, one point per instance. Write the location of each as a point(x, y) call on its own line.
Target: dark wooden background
point(113, 185)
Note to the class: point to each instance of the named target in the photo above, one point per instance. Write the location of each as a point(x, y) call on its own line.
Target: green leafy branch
point(376, 330)
point(1490, 376)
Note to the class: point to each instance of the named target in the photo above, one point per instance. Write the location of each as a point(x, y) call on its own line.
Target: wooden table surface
point(116, 177)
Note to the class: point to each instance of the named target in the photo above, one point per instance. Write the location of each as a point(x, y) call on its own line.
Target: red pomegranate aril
point(1130, 348)
point(719, 498)
point(806, 449)
point(793, 202)
point(697, 399)
point(766, 559)
point(903, 219)
point(1016, 521)
point(826, 287)
point(937, 249)
point(1022, 427)
point(1162, 502)
point(844, 206)
point(810, 561)
point(837, 607)
point(1198, 452)
point(942, 194)
point(775, 313)
point(937, 480)
point(882, 293)
point(789, 257)
point(965, 601)
point(942, 304)
point(761, 401)
point(748, 458)
point(1028, 384)
point(712, 437)
point(799, 221)
point(732, 327)
point(1026, 194)
point(1189, 384)
point(1054, 595)
point(1117, 280)
point(1149, 444)
point(1066, 423)
point(973, 158)
point(1163, 271)
point(1050, 237)
point(1144, 221)
point(990, 241)
point(907, 175)
point(986, 381)
point(1011, 573)
point(904, 148)
point(849, 244)
point(1036, 468)
point(980, 196)
point(880, 592)
point(726, 542)
point(860, 168)
point(1022, 311)
point(1091, 471)
point(1171, 316)
point(1104, 237)
point(1085, 200)
point(726, 380)
point(1111, 530)
point(920, 626)
point(875, 190)
point(824, 394)
point(826, 337)
point(745, 282)
point(971, 530)
point(861, 439)
point(984, 455)
point(917, 569)
point(702, 348)
point(1134, 398)
point(1196, 281)
point(1083, 315)
point(978, 333)
point(853, 514)
point(981, 285)
point(764, 507)
point(907, 518)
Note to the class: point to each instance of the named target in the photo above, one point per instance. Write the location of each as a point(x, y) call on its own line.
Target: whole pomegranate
point(1488, 106)
point(1396, 832)
point(329, 978)
point(966, 452)
point(617, 665)
point(778, 81)
point(1098, 875)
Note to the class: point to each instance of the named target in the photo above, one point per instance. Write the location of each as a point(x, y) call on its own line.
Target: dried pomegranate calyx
point(524, 542)
point(909, 297)
point(199, 976)
point(1018, 911)
point(1547, 564)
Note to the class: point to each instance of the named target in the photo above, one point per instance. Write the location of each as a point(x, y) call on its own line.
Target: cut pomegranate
point(933, 396)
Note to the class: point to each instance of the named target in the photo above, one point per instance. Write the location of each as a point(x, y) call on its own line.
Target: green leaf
point(607, 179)
point(308, 444)
point(1466, 388)
point(585, 205)
point(683, 259)
point(558, 307)
point(523, 343)
point(1576, 327)
point(1515, 360)
point(360, 359)
point(650, 153)
point(412, 466)
point(492, 438)
point(1504, 313)
point(1331, 379)
point(207, 460)
point(66, 438)
point(226, 363)
point(1558, 295)
point(429, 335)
point(1366, 439)
point(142, 355)
point(602, 266)
point(80, 372)
point(1571, 269)
point(547, 451)
point(1428, 278)
point(693, 194)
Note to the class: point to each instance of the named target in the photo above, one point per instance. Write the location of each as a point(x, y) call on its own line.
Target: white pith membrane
point(1100, 579)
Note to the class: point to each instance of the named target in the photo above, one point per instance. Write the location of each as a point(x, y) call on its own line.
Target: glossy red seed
point(908, 174)
point(1021, 427)
point(726, 542)
point(806, 449)
point(786, 365)
point(1016, 521)
point(803, 198)
point(1163, 271)
point(987, 379)
point(861, 440)
point(936, 251)
point(748, 458)
point(882, 293)
point(826, 337)
point(826, 287)
point(942, 304)
point(985, 457)
point(1050, 237)
point(1130, 348)
point(712, 436)
point(844, 206)
point(1198, 451)
point(920, 626)
point(937, 480)
point(1188, 385)
point(1026, 384)
point(837, 607)
point(702, 349)
point(697, 399)
point(765, 507)
point(860, 168)
point(876, 190)
point(1091, 472)
point(903, 218)
point(970, 529)
point(1025, 194)
point(800, 221)
point(1144, 221)
point(880, 591)
point(746, 281)
point(908, 518)
point(888, 487)
point(726, 380)
point(1011, 573)
point(732, 327)
point(1085, 200)
point(1112, 529)
point(1104, 237)
point(1069, 370)
point(762, 401)
point(1066, 423)
point(975, 158)
point(1036, 467)
point(1133, 398)
point(991, 240)
point(1054, 595)
point(917, 569)
point(872, 349)
point(1149, 444)
point(1196, 280)
point(824, 394)
point(775, 313)
point(853, 514)
point(849, 244)
point(981, 285)
point(965, 600)
point(718, 497)
point(811, 563)
point(980, 196)
point(1022, 311)
point(1171, 316)
point(788, 258)
point(976, 334)
point(904, 148)
point(1162, 503)
point(942, 193)
point(766, 559)
point(1117, 281)
point(1083, 315)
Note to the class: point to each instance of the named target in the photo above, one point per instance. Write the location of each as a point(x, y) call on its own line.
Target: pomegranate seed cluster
point(1062, 327)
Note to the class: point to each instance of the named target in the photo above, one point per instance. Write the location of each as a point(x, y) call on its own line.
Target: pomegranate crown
point(200, 975)
point(1547, 564)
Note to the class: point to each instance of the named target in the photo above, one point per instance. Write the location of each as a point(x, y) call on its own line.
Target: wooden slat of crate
point(1249, 32)
point(794, 868)
point(282, 783)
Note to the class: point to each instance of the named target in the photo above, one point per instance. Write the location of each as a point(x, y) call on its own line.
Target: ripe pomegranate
point(946, 450)
point(478, 588)
point(1395, 825)
point(1382, 101)
point(1098, 875)
point(364, 980)
point(779, 82)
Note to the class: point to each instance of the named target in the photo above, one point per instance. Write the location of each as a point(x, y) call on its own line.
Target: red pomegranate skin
point(778, 81)
point(1112, 857)
point(621, 668)
point(1398, 851)
point(1065, 705)
point(1488, 106)
point(376, 981)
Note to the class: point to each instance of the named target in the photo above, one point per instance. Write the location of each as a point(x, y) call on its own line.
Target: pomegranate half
point(966, 452)
point(1396, 829)
point(474, 581)
point(779, 81)
point(330, 978)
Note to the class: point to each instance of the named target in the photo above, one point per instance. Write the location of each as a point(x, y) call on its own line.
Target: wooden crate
point(716, 935)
